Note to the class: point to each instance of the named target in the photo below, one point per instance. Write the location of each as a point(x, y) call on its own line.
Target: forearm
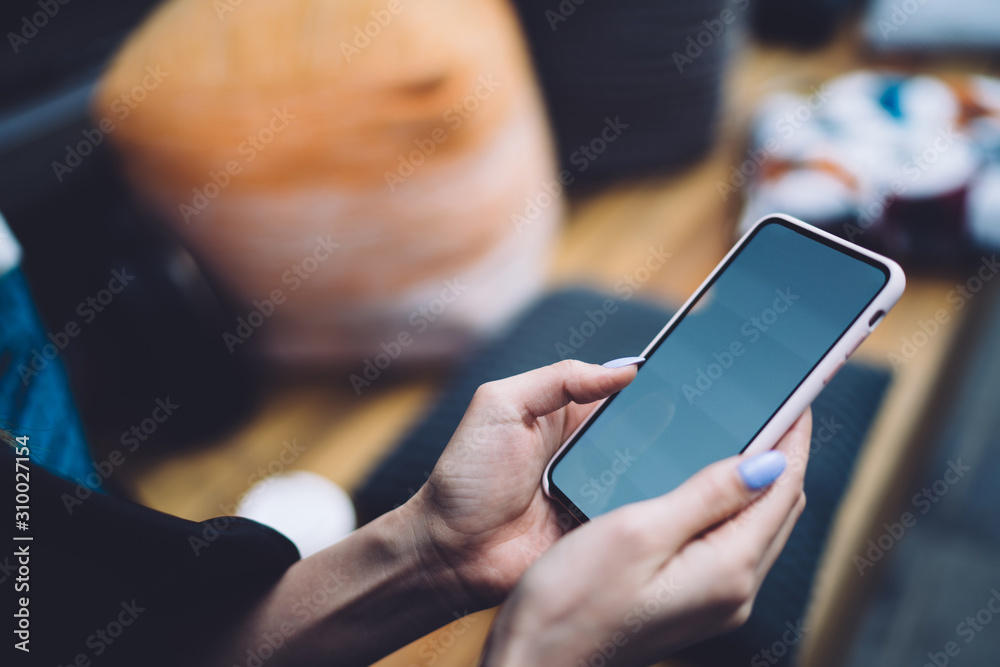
point(521, 637)
point(505, 648)
point(351, 604)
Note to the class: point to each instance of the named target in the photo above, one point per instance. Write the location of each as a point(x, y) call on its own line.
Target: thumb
point(543, 391)
point(717, 492)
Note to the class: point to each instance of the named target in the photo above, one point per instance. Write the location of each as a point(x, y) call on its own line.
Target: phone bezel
point(809, 387)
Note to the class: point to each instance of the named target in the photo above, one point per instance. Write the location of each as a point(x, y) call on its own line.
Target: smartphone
point(732, 369)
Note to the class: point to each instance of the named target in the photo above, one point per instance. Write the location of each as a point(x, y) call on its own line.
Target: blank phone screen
point(722, 371)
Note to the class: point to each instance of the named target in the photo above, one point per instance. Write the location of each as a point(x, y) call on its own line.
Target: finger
point(797, 449)
point(770, 555)
point(727, 487)
point(755, 527)
point(777, 544)
point(714, 494)
point(575, 414)
point(770, 511)
point(794, 445)
point(543, 391)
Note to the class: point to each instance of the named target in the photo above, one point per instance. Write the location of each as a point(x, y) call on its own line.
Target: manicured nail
point(762, 470)
point(624, 361)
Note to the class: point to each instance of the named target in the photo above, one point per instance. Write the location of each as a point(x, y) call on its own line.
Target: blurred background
point(313, 226)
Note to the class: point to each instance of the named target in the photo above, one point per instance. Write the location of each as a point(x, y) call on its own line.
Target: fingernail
point(624, 361)
point(762, 470)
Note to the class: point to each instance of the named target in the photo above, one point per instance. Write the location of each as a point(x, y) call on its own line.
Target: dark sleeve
point(111, 582)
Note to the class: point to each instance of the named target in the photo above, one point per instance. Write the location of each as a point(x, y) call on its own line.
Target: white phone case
point(828, 366)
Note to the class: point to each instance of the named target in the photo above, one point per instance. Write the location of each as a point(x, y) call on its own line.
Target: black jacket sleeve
point(102, 581)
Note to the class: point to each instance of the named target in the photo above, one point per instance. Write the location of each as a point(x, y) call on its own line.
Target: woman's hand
point(483, 507)
point(459, 545)
point(467, 537)
point(649, 578)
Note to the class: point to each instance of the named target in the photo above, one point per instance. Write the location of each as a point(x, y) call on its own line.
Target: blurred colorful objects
point(919, 26)
point(350, 172)
point(907, 165)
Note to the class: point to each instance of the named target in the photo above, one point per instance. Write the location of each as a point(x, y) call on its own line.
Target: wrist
point(369, 594)
point(436, 557)
point(511, 641)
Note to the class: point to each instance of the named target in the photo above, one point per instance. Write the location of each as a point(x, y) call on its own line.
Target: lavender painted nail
point(761, 470)
point(624, 361)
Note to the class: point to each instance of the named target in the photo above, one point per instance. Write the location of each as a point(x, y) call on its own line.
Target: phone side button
point(855, 347)
point(829, 376)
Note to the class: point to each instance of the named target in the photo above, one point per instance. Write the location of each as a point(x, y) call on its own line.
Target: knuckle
point(798, 461)
point(744, 583)
point(747, 562)
point(793, 482)
point(732, 590)
point(632, 532)
point(567, 366)
point(487, 392)
point(715, 489)
point(739, 618)
point(739, 584)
